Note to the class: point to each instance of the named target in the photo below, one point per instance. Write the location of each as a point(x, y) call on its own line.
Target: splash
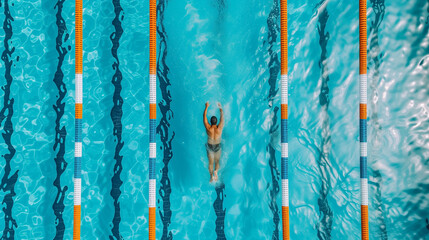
point(60, 131)
point(324, 226)
point(274, 66)
point(8, 182)
point(116, 115)
point(163, 129)
point(220, 212)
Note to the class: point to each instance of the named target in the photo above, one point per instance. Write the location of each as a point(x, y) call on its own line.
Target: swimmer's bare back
point(214, 137)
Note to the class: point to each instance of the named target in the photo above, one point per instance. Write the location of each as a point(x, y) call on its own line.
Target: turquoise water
point(224, 51)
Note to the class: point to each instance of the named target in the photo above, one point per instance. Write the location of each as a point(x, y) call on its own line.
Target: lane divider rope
point(152, 119)
point(363, 117)
point(78, 122)
point(284, 118)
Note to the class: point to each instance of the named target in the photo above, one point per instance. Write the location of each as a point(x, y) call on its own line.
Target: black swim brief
point(213, 147)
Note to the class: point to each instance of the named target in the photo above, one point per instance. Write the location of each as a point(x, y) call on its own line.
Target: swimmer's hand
point(218, 104)
point(207, 104)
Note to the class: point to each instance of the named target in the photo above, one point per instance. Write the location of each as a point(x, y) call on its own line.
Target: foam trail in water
point(375, 57)
point(60, 131)
point(163, 129)
point(116, 116)
point(8, 182)
point(274, 67)
point(377, 182)
point(324, 226)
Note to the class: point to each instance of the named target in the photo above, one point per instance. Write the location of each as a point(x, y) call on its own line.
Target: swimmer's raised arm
point(222, 120)
point(206, 122)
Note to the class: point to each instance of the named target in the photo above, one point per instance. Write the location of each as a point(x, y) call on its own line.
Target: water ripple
point(116, 116)
point(220, 212)
point(60, 131)
point(375, 60)
point(274, 69)
point(324, 227)
point(163, 129)
point(8, 182)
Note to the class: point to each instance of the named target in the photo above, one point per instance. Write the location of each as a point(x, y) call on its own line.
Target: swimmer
point(214, 137)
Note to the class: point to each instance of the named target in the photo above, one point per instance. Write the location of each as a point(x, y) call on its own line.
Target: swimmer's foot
point(211, 178)
point(215, 178)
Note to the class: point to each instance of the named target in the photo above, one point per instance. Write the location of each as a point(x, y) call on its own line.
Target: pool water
point(218, 51)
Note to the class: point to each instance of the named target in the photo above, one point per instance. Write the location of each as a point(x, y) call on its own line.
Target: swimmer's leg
point(217, 164)
point(210, 156)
